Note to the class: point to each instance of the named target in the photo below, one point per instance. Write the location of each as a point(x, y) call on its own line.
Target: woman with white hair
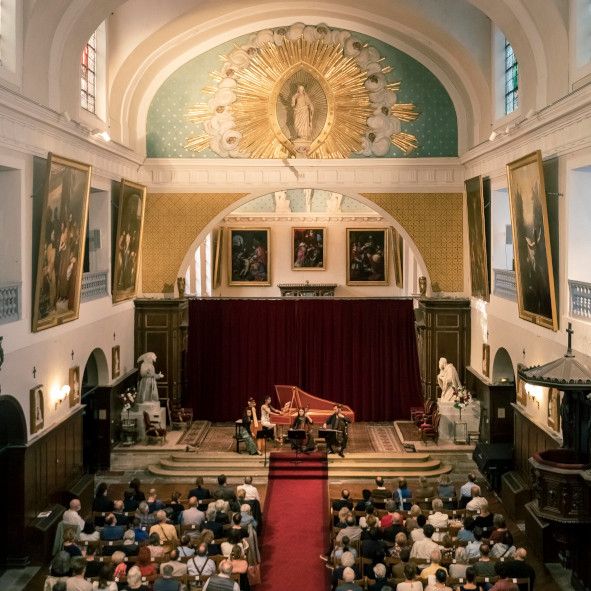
point(347, 561)
point(134, 580)
point(246, 516)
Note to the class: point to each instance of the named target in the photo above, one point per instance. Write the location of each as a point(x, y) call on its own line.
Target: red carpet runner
point(295, 528)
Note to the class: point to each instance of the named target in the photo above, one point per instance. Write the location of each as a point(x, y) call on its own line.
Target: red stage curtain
point(359, 352)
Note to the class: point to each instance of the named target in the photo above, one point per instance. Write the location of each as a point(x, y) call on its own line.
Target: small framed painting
point(74, 383)
point(486, 360)
point(367, 253)
point(249, 253)
point(554, 409)
point(398, 252)
point(37, 406)
point(115, 362)
point(307, 249)
point(521, 394)
point(217, 244)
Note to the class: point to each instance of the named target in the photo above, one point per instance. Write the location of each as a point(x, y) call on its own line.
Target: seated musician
point(303, 422)
point(340, 424)
point(246, 432)
point(266, 410)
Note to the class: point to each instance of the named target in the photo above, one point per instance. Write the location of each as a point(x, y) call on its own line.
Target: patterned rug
point(410, 432)
point(219, 437)
point(383, 437)
point(195, 434)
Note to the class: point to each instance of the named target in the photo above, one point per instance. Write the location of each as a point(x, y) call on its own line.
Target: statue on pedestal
point(147, 388)
point(448, 380)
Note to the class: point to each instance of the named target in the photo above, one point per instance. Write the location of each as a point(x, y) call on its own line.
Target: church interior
point(334, 253)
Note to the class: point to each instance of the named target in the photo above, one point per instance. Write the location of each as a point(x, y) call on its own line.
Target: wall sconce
point(534, 393)
point(102, 134)
point(60, 395)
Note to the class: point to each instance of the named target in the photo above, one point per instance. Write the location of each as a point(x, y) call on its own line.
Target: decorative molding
point(10, 302)
point(94, 286)
point(505, 284)
point(303, 217)
point(580, 299)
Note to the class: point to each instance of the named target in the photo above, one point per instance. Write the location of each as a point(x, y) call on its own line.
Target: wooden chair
point(154, 432)
point(431, 430)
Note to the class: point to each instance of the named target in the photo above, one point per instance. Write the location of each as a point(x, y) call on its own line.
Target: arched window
point(582, 24)
point(93, 83)
point(10, 40)
point(511, 79)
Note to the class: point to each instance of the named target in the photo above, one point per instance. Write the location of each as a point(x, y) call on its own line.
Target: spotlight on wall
point(60, 395)
point(534, 393)
point(493, 136)
point(98, 133)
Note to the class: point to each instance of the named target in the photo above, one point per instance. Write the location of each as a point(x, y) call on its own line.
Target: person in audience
point(365, 500)
point(155, 545)
point(185, 547)
point(174, 507)
point(240, 566)
point(466, 491)
point(485, 567)
point(58, 571)
point(179, 568)
point(400, 543)
point(422, 549)
point(130, 503)
point(222, 509)
point(434, 566)
point(144, 562)
point(211, 524)
point(89, 532)
point(102, 503)
point(154, 503)
point(166, 531)
point(372, 546)
point(467, 531)
point(77, 582)
point(140, 531)
point(105, 579)
point(440, 582)
point(386, 520)
point(504, 583)
point(380, 493)
point(411, 518)
point(119, 512)
point(470, 584)
point(344, 501)
point(199, 492)
point(351, 531)
point(473, 547)
point(234, 538)
point(237, 525)
point(457, 567)
point(93, 566)
point(200, 563)
point(438, 519)
point(401, 494)
point(477, 501)
point(220, 581)
point(447, 550)
point(518, 568)
point(118, 563)
point(134, 580)
point(347, 561)
point(369, 512)
point(130, 546)
point(446, 491)
point(348, 583)
point(379, 574)
point(504, 549)
point(246, 517)
point(69, 544)
point(136, 486)
point(425, 490)
point(206, 537)
point(499, 528)
point(398, 568)
point(143, 514)
point(485, 519)
point(112, 531)
point(166, 582)
point(344, 546)
point(192, 515)
point(410, 581)
point(418, 533)
point(71, 516)
point(251, 491)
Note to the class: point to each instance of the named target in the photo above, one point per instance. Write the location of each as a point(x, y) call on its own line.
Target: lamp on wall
point(99, 133)
point(534, 393)
point(59, 395)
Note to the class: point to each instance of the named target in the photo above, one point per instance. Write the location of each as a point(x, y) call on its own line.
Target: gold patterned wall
point(172, 222)
point(434, 222)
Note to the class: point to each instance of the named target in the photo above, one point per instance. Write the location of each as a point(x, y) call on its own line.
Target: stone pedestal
point(451, 415)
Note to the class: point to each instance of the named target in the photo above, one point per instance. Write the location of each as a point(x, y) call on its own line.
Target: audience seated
point(401, 494)
point(178, 568)
point(134, 580)
point(422, 549)
point(71, 516)
point(135, 485)
point(505, 548)
point(410, 580)
point(192, 515)
point(344, 546)
point(174, 507)
point(118, 564)
point(58, 571)
point(200, 564)
point(380, 493)
point(130, 503)
point(102, 503)
point(130, 546)
point(223, 491)
point(89, 532)
point(211, 524)
point(166, 532)
point(185, 548)
point(219, 581)
point(105, 579)
point(518, 568)
point(445, 490)
point(504, 583)
point(343, 501)
point(143, 514)
point(239, 566)
point(69, 545)
point(351, 531)
point(144, 562)
point(365, 500)
point(411, 518)
point(199, 492)
point(439, 584)
point(473, 547)
point(477, 501)
point(418, 533)
point(485, 519)
point(485, 567)
point(433, 567)
point(140, 531)
point(119, 512)
point(77, 582)
point(425, 490)
point(347, 561)
point(246, 518)
point(349, 581)
point(379, 576)
point(467, 531)
point(499, 528)
point(470, 584)
point(112, 531)
point(438, 519)
point(166, 582)
point(154, 503)
point(386, 520)
point(251, 491)
point(466, 491)
point(93, 566)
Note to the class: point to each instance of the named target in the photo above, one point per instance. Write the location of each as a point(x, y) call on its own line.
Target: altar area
point(459, 427)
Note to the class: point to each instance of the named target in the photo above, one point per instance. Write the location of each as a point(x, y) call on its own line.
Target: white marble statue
point(333, 203)
point(282, 203)
point(303, 112)
point(447, 379)
point(147, 389)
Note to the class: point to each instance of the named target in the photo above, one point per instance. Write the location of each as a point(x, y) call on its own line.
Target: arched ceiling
point(149, 39)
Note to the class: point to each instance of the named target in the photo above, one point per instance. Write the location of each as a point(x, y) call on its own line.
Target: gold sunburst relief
point(300, 98)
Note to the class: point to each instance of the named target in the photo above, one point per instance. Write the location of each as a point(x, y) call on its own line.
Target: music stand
point(329, 436)
point(297, 435)
point(265, 433)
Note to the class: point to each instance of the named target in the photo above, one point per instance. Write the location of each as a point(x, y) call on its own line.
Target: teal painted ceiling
point(167, 126)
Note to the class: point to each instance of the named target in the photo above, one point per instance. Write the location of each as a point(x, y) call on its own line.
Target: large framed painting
point(216, 246)
point(37, 406)
point(477, 238)
point(367, 256)
point(531, 241)
point(398, 258)
point(249, 255)
point(128, 240)
point(308, 249)
point(56, 299)
point(554, 409)
point(74, 383)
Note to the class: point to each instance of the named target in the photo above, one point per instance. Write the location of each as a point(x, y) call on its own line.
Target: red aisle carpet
point(295, 529)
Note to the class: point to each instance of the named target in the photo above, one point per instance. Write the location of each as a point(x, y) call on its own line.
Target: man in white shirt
point(179, 568)
point(477, 501)
point(422, 549)
point(251, 492)
point(466, 490)
point(225, 573)
point(192, 515)
point(71, 516)
point(438, 519)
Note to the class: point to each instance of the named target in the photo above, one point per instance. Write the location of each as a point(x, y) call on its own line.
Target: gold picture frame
point(554, 409)
point(217, 247)
point(128, 240)
point(75, 386)
point(368, 254)
point(534, 272)
point(308, 249)
point(520, 393)
point(398, 257)
point(486, 360)
point(249, 257)
point(477, 238)
point(37, 409)
point(62, 235)
point(115, 362)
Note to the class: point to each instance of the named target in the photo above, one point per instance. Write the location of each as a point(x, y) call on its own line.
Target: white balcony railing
point(580, 299)
point(94, 286)
point(10, 302)
point(505, 286)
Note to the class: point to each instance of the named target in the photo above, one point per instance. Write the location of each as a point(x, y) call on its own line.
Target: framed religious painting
point(56, 298)
point(128, 240)
point(534, 273)
point(37, 406)
point(398, 258)
point(216, 248)
point(554, 409)
point(521, 394)
point(74, 383)
point(477, 238)
point(115, 361)
point(249, 255)
point(367, 256)
point(486, 360)
point(308, 249)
